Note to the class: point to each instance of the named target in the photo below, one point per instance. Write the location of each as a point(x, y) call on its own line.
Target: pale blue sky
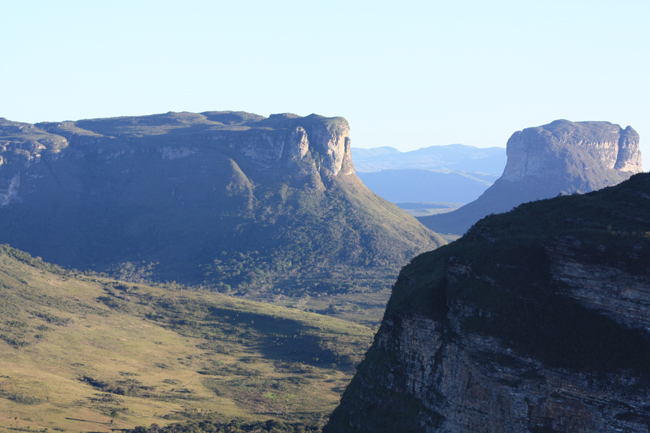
point(406, 74)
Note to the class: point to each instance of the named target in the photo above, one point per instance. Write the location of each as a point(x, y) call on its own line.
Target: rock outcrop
point(222, 199)
point(559, 158)
point(535, 321)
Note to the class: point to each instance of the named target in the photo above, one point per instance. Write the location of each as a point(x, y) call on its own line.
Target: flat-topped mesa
point(562, 157)
point(332, 139)
point(303, 145)
point(204, 195)
point(283, 145)
point(558, 150)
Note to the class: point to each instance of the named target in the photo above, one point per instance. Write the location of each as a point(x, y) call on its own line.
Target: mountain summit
point(562, 157)
point(223, 199)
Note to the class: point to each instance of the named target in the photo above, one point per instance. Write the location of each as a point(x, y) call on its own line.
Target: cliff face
point(284, 146)
point(563, 150)
point(535, 321)
point(229, 200)
point(559, 158)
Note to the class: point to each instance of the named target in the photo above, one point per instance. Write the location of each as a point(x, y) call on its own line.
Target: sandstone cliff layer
point(284, 145)
point(535, 321)
point(559, 158)
point(212, 198)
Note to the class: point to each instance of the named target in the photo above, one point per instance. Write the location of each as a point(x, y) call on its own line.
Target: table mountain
point(223, 199)
point(559, 158)
point(535, 321)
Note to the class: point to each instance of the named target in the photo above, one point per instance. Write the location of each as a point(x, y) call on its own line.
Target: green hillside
point(83, 353)
point(253, 206)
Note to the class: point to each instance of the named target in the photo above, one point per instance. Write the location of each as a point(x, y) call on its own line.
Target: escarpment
point(229, 200)
point(562, 157)
point(535, 321)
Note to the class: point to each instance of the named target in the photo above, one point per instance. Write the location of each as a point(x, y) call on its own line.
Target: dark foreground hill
point(81, 353)
point(536, 320)
point(227, 200)
point(559, 158)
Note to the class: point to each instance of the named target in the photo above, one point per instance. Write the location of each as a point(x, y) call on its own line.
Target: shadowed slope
point(535, 320)
point(559, 158)
point(230, 200)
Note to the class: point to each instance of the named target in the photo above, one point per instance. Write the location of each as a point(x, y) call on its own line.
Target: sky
point(406, 74)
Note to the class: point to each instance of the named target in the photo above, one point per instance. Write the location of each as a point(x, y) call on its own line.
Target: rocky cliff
point(559, 158)
point(224, 199)
point(535, 321)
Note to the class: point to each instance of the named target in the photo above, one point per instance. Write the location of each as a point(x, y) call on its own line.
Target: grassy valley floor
point(81, 353)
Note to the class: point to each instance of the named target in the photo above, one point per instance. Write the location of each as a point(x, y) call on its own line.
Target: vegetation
point(206, 423)
point(507, 276)
point(85, 353)
point(562, 157)
point(501, 281)
point(203, 200)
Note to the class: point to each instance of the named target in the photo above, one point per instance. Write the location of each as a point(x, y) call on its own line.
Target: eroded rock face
point(219, 198)
point(535, 321)
point(563, 151)
point(284, 146)
point(562, 157)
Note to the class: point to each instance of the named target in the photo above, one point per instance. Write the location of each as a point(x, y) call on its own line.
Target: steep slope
point(81, 353)
point(229, 200)
point(559, 158)
point(535, 321)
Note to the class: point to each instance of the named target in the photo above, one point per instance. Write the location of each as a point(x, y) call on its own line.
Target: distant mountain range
point(229, 200)
point(415, 185)
point(453, 173)
point(454, 157)
point(562, 157)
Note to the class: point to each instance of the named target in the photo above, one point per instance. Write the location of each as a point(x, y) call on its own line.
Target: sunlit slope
point(90, 354)
point(244, 204)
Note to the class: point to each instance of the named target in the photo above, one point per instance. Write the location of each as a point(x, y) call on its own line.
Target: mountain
point(454, 173)
point(456, 157)
point(562, 157)
point(361, 154)
point(82, 353)
point(227, 200)
point(536, 320)
point(415, 185)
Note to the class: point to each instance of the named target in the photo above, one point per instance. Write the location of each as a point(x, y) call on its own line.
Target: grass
point(216, 217)
point(83, 353)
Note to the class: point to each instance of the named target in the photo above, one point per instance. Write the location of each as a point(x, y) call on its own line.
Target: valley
point(324, 217)
point(84, 353)
point(263, 208)
point(224, 271)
